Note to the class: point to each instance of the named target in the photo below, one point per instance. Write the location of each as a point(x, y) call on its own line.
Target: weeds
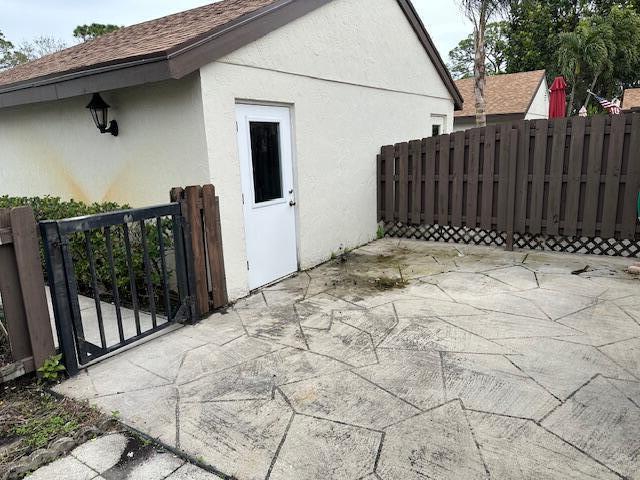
point(31, 418)
point(51, 370)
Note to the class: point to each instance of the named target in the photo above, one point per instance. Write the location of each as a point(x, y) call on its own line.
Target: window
point(265, 157)
point(437, 125)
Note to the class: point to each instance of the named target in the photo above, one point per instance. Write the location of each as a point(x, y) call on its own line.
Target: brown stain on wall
point(120, 190)
point(74, 188)
point(48, 163)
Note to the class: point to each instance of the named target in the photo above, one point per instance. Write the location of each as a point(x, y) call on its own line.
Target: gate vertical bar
point(58, 286)
point(94, 286)
point(114, 282)
point(163, 266)
point(132, 278)
point(147, 273)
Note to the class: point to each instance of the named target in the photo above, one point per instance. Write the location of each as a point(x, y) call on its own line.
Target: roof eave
point(190, 56)
point(424, 37)
point(172, 64)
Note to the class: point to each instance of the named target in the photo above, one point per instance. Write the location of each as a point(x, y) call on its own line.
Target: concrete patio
point(403, 360)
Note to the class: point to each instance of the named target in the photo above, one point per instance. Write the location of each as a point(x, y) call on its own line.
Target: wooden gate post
point(201, 210)
point(23, 290)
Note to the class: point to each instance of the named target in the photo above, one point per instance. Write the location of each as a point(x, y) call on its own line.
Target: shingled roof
point(169, 47)
point(155, 37)
point(504, 94)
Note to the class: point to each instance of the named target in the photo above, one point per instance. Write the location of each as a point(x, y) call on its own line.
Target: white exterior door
point(266, 163)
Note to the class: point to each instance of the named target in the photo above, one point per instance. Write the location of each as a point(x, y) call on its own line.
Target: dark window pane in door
point(435, 130)
point(265, 156)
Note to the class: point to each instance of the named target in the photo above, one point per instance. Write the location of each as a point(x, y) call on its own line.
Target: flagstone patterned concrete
point(117, 457)
point(482, 364)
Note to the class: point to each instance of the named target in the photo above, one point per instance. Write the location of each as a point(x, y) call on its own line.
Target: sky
point(22, 20)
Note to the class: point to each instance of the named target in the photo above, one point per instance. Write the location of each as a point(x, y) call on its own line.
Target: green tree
point(602, 54)
point(534, 28)
point(461, 58)
point(625, 72)
point(480, 12)
point(89, 32)
point(9, 56)
point(584, 55)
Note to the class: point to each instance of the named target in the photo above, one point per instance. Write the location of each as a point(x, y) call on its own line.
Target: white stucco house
point(281, 104)
point(509, 97)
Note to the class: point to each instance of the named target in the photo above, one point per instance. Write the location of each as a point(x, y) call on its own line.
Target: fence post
point(177, 194)
point(23, 291)
point(213, 230)
point(27, 254)
point(12, 303)
point(513, 175)
point(203, 243)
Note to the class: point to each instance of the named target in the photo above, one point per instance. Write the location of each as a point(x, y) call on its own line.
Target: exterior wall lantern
point(100, 113)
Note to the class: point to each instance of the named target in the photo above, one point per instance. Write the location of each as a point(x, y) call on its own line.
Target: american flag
point(611, 106)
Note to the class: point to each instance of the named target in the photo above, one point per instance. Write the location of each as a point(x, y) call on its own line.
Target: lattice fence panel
point(478, 236)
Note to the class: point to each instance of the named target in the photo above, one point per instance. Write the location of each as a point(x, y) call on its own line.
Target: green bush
point(54, 208)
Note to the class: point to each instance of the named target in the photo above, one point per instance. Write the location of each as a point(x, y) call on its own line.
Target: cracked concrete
point(117, 456)
point(487, 364)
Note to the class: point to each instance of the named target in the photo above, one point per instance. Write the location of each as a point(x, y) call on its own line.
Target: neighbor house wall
point(463, 124)
point(540, 105)
point(355, 77)
point(54, 148)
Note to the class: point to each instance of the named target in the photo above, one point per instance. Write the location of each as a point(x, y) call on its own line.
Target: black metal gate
point(116, 278)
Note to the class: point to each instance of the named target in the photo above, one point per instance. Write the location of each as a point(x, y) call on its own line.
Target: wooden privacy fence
point(570, 183)
point(201, 208)
point(24, 301)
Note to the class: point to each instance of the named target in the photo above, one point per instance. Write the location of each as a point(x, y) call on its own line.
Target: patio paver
point(119, 457)
point(487, 364)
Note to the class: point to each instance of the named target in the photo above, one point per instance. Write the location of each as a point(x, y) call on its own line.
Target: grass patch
point(31, 418)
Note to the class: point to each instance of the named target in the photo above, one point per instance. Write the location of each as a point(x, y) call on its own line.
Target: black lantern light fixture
point(100, 113)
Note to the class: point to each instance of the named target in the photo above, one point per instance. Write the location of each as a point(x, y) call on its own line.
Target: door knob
point(292, 203)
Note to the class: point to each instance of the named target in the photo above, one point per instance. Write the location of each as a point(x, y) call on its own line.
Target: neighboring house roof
point(631, 98)
point(505, 95)
point(170, 47)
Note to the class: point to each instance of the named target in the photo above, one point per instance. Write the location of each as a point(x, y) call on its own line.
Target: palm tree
point(585, 54)
point(480, 12)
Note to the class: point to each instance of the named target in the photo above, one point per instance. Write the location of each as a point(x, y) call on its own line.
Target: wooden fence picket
point(573, 177)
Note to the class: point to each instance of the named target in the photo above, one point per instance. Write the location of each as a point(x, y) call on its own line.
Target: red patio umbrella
point(558, 99)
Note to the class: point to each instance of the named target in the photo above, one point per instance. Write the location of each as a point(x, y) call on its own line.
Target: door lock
point(292, 203)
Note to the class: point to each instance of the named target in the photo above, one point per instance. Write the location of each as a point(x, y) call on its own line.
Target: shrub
point(54, 208)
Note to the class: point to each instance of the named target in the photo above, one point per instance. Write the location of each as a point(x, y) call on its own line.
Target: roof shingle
point(631, 98)
point(160, 36)
point(504, 94)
